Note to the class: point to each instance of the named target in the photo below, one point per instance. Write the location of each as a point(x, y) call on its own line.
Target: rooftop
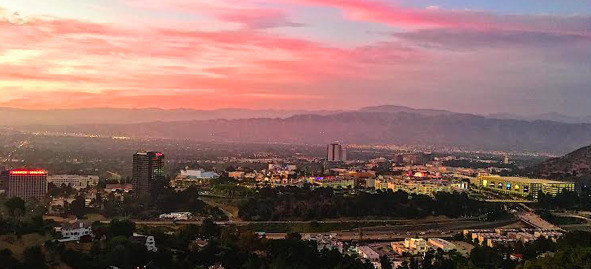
point(524, 180)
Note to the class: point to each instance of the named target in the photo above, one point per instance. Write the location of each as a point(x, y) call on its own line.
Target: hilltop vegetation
point(573, 166)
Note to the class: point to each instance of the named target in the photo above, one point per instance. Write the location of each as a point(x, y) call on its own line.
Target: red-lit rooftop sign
point(28, 172)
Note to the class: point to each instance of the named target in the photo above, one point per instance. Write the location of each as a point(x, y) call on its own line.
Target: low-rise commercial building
point(197, 174)
point(177, 216)
point(410, 245)
point(493, 238)
point(521, 186)
point(439, 243)
point(75, 181)
point(369, 254)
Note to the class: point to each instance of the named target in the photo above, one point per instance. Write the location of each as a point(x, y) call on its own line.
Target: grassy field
point(229, 208)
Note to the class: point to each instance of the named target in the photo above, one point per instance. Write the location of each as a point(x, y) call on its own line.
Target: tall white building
point(336, 153)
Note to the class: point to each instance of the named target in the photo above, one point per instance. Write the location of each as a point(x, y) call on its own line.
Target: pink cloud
point(80, 63)
point(120, 99)
point(102, 64)
point(395, 15)
point(243, 13)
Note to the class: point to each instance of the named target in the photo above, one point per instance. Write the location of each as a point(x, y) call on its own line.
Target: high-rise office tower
point(336, 153)
point(506, 160)
point(25, 183)
point(147, 167)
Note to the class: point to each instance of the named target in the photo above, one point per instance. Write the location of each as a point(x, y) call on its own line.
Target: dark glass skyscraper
point(147, 168)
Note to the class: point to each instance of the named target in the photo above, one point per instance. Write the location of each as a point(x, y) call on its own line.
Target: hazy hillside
point(396, 109)
point(19, 117)
point(551, 116)
point(575, 165)
point(456, 130)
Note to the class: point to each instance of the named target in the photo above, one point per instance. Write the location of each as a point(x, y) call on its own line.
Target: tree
point(7, 260)
point(33, 258)
point(414, 264)
point(121, 228)
point(385, 262)
point(404, 265)
point(294, 236)
point(15, 206)
point(78, 207)
point(209, 228)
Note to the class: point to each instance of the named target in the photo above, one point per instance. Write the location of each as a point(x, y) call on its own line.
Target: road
point(536, 221)
point(442, 229)
point(22, 144)
point(397, 222)
point(386, 230)
point(571, 215)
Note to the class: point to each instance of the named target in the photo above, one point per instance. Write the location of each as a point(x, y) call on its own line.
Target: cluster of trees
point(229, 188)
point(229, 247)
point(23, 226)
point(478, 164)
point(287, 203)
point(19, 220)
point(164, 200)
point(62, 190)
point(566, 200)
point(168, 200)
point(15, 206)
point(573, 251)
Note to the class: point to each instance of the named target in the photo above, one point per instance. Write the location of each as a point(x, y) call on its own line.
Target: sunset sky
point(485, 56)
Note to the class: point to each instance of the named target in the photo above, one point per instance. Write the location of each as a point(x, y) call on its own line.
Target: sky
point(477, 56)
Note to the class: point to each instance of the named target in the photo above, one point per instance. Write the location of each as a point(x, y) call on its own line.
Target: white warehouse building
point(75, 181)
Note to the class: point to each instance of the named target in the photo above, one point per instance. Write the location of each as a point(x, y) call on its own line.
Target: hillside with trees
point(573, 166)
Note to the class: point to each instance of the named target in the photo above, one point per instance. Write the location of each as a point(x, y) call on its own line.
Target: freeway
point(384, 230)
point(509, 201)
point(441, 229)
point(407, 222)
point(572, 215)
point(536, 221)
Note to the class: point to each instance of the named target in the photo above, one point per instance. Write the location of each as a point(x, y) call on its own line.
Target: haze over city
point(524, 56)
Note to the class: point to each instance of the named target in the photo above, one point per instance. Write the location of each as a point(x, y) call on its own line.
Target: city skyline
point(523, 57)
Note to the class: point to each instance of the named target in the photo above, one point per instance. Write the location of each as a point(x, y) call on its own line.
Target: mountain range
point(377, 125)
point(20, 117)
point(551, 116)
